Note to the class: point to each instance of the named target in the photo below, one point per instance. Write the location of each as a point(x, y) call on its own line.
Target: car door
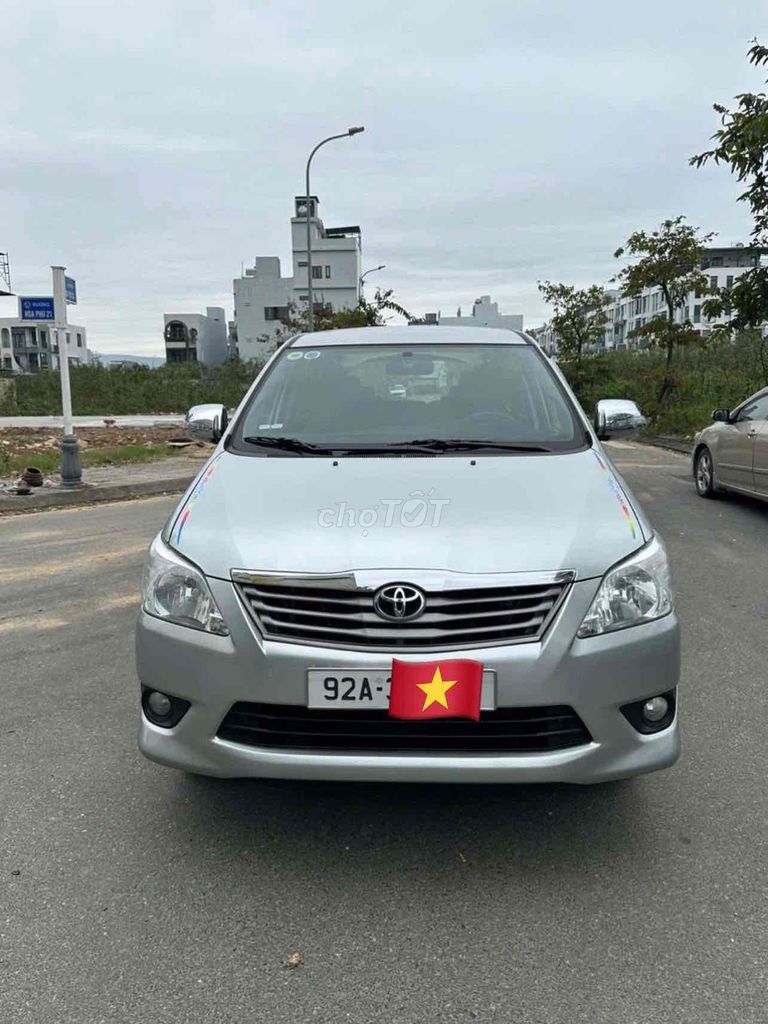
point(736, 444)
point(760, 450)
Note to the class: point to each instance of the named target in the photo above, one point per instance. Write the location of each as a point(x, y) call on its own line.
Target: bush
point(719, 375)
point(103, 390)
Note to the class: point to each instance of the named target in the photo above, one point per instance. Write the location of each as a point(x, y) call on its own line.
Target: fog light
point(655, 709)
point(162, 709)
point(161, 705)
point(652, 714)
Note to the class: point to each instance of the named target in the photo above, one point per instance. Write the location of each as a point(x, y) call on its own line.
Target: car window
point(757, 410)
point(373, 395)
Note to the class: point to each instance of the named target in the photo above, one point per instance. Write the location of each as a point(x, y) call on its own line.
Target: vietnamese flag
point(436, 689)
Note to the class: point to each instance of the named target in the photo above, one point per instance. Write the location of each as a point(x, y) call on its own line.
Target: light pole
point(343, 135)
point(71, 470)
point(371, 271)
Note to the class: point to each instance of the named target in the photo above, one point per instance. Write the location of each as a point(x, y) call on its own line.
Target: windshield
point(440, 397)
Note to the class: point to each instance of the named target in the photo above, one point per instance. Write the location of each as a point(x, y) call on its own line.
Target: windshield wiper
point(427, 446)
point(287, 444)
point(460, 444)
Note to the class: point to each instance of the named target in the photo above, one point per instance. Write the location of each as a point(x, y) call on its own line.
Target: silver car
point(732, 454)
point(338, 526)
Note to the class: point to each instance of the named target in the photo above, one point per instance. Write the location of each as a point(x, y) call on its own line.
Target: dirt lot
point(28, 440)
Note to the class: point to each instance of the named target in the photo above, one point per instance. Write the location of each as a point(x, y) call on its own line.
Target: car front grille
point(505, 730)
point(334, 612)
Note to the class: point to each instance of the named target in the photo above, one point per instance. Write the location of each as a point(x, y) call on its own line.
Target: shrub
point(103, 390)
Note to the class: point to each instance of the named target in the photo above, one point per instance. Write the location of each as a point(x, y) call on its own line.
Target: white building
point(29, 346)
point(197, 337)
point(263, 296)
point(484, 314)
point(722, 266)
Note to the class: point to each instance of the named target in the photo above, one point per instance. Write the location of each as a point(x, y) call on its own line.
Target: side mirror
point(206, 423)
point(721, 415)
point(617, 416)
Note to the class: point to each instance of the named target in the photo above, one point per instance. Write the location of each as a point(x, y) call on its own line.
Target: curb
point(90, 495)
point(671, 444)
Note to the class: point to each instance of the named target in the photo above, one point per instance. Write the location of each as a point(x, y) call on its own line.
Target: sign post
point(71, 470)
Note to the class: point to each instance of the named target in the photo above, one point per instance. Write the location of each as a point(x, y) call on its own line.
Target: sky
point(154, 147)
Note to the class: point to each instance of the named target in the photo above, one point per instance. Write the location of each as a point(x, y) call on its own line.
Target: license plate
point(350, 689)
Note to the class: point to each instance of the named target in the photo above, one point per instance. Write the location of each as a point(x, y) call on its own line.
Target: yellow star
point(436, 690)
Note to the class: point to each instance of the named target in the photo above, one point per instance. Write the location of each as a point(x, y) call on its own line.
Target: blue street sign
point(71, 291)
point(36, 308)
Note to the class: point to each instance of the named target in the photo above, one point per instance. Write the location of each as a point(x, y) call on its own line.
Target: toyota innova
point(416, 495)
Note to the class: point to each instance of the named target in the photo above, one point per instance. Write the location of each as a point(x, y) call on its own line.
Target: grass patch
point(48, 462)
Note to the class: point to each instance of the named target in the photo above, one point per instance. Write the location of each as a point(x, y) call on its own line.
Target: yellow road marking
point(81, 562)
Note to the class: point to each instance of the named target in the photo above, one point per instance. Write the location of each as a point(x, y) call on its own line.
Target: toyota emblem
point(399, 601)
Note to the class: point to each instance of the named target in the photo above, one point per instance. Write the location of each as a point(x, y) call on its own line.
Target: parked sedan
point(732, 454)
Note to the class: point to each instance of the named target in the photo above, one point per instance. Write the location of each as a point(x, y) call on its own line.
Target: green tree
point(742, 145)
point(375, 313)
point(579, 318)
point(668, 258)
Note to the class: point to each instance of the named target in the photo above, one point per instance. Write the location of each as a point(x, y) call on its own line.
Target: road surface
point(130, 893)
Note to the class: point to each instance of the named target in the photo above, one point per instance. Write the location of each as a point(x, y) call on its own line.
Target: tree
point(364, 314)
point(742, 144)
point(670, 259)
point(579, 317)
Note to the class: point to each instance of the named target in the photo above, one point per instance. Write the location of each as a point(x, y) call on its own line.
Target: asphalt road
point(131, 893)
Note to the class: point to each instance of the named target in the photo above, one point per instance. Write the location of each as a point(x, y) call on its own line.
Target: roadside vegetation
point(122, 390)
point(718, 375)
point(13, 465)
point(678, 376)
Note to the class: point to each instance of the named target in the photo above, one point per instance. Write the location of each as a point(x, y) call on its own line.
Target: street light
point(71, 470)
point(371, 271)
point(343, 135)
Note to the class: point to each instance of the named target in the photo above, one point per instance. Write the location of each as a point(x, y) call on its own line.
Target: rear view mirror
point(721, 415)
point(206, 423)
point(617, 416)
point(409, 365)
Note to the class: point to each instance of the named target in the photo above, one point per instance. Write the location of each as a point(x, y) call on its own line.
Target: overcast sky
point(153, 147)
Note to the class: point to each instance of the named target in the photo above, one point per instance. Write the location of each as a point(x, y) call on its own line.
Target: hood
point(487, 515)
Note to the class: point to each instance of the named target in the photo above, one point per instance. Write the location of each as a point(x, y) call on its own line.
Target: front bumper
point(595, 676)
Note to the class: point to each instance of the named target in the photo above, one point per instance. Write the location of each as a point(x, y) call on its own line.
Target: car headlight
point(174, 590)
point(635, 591)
